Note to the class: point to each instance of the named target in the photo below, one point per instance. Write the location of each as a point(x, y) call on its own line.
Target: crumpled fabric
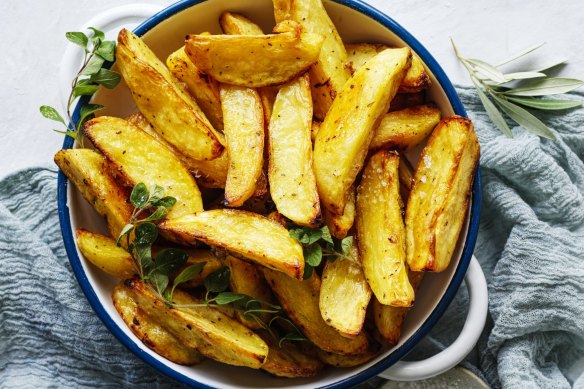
point(530, 246)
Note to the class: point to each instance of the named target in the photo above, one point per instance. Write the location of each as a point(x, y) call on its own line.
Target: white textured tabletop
point(32, 44)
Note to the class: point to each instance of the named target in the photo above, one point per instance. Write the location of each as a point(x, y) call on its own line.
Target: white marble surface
point(32, 43)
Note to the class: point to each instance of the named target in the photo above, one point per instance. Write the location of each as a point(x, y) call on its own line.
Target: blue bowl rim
point(361, 376)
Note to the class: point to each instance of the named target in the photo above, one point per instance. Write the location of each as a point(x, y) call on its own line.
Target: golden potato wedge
point(172, 112)
point(288, 360)
point(299, 299)
point(338, 360)
point(406, 128)
point(139, 157)
point(342, 142)
point(151, 333)
point(203, 88)
point(381, 233)
point(344, 294)
point(203, 328)
point(406, 178)
point(247, 279)
point(339, 225)
point(440, 196)
point(329, 73)
point(104, 253)
point(389, 320)
point(253, 236)
point(209, 174)
point(416, 78)
point(87, 170)
point(195, 256)
point(292, 182)
point(243, 125)
point(254, 60)
point(236, 24)
point(406, 100)
point(268, 96)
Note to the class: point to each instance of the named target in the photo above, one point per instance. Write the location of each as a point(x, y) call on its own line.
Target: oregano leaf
point(218, 281)
point(106, 77)
point(169, 261)
point(125, 231)
point(228, 297)
point(313, 255)
point(106, 50)
point(159, 280)
point(78, 38)
point(166, 201)
point(93, 66)
point(189, 273)
point(158, 214)
point(51, 113)
point(326, 235)
point(346, 245)
point(139, 195)
point(145, 234)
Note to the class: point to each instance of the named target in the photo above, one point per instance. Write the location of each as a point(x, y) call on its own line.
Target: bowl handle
point(109, 21)
point(452, 355)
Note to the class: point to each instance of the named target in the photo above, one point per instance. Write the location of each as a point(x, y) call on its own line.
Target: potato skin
point(299, 299)
point(172, 112)
point(381, 233)
point(439, 199)
point(342, 142)
point(339, 225)
point(290, 174)
point(235, 59)
point(138, 157)
point(150, 332)
point(248, 234)
point(329, 73)
point(91, 175)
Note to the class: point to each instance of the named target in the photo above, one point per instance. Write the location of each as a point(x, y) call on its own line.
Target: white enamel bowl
point(164, 32)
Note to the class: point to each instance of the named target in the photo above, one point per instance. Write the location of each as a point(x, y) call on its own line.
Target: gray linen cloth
point(531, 247)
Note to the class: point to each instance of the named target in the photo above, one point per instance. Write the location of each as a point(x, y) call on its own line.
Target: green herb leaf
point(144, 254)
point(313, 255)
point(167, 202)
point(156, 192)
point(291, 336)
point(106, 77)
point(524, 118)
point(545, 104)
point(158, 214)
point(106, 50)
point(51, 113)
point(549, 86)
point(93, 66)
point(78, 38)
point(296, 233)
point(228, 297)
point(84, 90)
point(346, 245)
point(139, 195)
point(125, 231)
point(493, 113)
point(218, 281)
point(326, 235)
point(86, 111)
point(145, 234)
point(189, 273)
point(520, 54)
point(98, 36)
point(523, 76)
point(487, 70)
point(72, 134)
point(308, 270)
point(160, 281)
point(169, 261)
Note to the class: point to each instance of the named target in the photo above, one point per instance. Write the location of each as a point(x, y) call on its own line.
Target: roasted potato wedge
point(406, 128)
point(90, 175)
point(416, 79)
point(406, 100)
point(253, 236)
point(342, 142)
point(209, 174)
point(381, 233)
point(151, 333)
point(243, 125)
point(172, 112)
point(338, 360)
point(439, 199)
point(389, 320)
point(104, 253)
point(406, 178)
point(344, 294)
point(203, 328)
point(236, 24)
point(138, 157)
point(290, 174)
point(203, 88)
point(255, 60)
point(287, 360)
point(247, 279)
point(329, 73)
point(339, 225)
point(299, 299)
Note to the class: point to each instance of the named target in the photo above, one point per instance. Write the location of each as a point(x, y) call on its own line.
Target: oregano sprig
point(319, 244)
point(514, 93)
point(93, 73)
